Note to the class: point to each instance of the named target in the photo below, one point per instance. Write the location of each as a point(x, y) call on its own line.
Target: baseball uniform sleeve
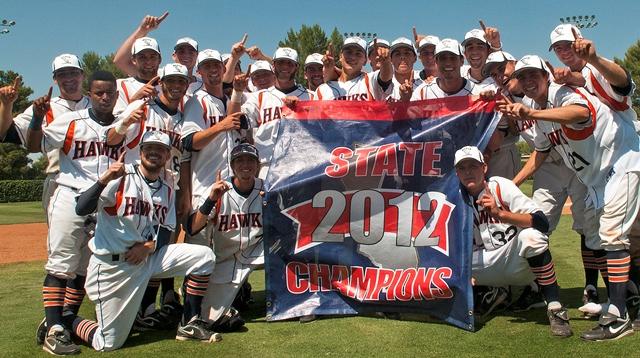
point(379, 93)
point(324, 93)
point(59, 132)
point(21, 124)
point(193, 117)
point(509, 195)
point(251, 109)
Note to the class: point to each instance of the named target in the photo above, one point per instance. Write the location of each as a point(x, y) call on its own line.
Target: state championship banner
point(363, 211)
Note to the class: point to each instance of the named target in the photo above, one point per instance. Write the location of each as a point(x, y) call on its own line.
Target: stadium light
point(6, 23)
point(364, 35)
point(581, 22)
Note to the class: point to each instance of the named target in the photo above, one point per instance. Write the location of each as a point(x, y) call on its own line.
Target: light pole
point(4, 24)
point(368, 36)
point(581, 22)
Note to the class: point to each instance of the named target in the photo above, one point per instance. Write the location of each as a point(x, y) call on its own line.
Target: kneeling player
point(136, 214)
point(509, 245)
point(235, 232)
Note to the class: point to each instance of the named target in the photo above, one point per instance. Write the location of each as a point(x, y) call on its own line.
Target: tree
point(310, 39)
point(631, 63)
point(92, 61)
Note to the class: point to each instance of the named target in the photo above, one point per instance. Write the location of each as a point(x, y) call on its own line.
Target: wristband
point(206, 207)
point(496, 48)
point(121, 128)
point(36, 123)
point(236, 97)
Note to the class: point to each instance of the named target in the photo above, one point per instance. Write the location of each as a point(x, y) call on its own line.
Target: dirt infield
point(23, 242)
point(28, 242)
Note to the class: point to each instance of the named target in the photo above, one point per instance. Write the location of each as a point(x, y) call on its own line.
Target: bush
point(20, 190)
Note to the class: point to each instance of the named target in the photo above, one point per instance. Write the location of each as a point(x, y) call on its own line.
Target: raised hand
point(9, 94)
point(382, 53)
point(241, 81)
point(150, 23)
point(231, 121)
point(585, 49)
point(115, 170)
point(41, 105)
point(148, 90)
point(491, 34)
point(219, 187)
point(238, 49)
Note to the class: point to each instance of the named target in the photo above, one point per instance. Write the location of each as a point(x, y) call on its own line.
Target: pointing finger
point(17, 82)
point(244, 39)
point(415, 34)
point(121, 157)
point(248, 70)
point(154, 81)
point(551, 69)
point(49, 94)
point(218, 176)
point(375, 42)
point(162, 17)
point(330, 49)
point(575, 33)
point(482, 25)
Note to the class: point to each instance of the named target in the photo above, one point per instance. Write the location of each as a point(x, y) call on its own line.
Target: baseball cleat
point(589, 301)
point(41, 332)
point(610, 327)
point(154, 321)
point(171, 310)
point(559, 322)
point(197, 330)
point(491, 300)
point(58, 342)
point(529, 299)
point(230, 322)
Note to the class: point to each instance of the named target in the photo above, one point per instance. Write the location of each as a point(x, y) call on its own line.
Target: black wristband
point(207, 206)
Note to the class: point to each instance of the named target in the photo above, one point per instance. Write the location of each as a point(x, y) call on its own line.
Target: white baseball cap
point(208, 55)
point(529, 62)
point(381, 43)
point(355, 41)
point(286, 53)
point(260, 65)
point(428, 40)
point(313, 58)
point(468, 152)
point(145, 43)
point(65, 60)
point(188, 41)
point(156, 137)
point(402, 42)
point(563, 33)
point(475, 34)
point(495, 58)
point(174, 69)
point(448, 45)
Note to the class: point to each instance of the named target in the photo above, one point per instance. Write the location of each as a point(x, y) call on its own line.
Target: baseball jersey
point(597, 149)
point(128, 210)
point(432, 90)
point(156, 117)
point(598, 86)
point(365, 87)
point(127, 87)
point(57, 107)
point(264, 109)
point(490, 233)
point(486, 84)
point(395, 94)
point(237, 224)
point(202, 112)
point(83, 152)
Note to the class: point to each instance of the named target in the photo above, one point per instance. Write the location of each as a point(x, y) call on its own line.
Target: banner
point(363, 211)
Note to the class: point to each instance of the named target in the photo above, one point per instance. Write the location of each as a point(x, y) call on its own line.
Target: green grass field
point(506, 334)
point(21, 213)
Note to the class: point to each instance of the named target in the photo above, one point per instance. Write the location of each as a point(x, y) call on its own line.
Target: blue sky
point(45, 29)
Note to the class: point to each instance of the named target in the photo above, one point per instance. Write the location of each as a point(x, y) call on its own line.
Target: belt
point(111, 257)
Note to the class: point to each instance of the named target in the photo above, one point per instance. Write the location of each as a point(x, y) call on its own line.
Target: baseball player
point(427, 55)
point(375, 62)
point(136, 202)
point(313, 72)
point(403, 56)
point(509, 245)
point(601, 146)
point(68, 75)
point(605, 79)
point(477, 45)
point(450, 82)
point(264, 108)
point(235, 233)
point(353, 84)
point(208, 132)
point(163, 114)
point(83, 155)
point(553, 182)
point(185, 52)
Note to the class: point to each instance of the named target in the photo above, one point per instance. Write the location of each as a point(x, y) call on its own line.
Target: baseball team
point(186, 147)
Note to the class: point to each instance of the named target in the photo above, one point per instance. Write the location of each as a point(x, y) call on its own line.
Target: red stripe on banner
point(385, 111)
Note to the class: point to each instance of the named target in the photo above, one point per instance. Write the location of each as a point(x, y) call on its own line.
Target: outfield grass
point(506, 334)
point(21, 213)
